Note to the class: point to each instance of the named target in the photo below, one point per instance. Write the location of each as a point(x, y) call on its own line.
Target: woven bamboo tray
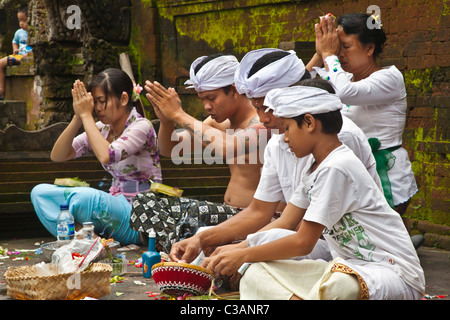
point(24, 283)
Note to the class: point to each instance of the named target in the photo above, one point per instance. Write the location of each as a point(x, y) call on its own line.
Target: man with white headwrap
point(373, 257)
point(259, 72)
point(279, 163)
point(261, 210)
point(232, 126)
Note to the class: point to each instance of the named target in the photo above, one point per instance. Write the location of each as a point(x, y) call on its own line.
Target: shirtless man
point(259, 72)
point(232, 122)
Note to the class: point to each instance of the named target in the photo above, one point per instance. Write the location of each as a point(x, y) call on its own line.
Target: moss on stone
point(419, 82)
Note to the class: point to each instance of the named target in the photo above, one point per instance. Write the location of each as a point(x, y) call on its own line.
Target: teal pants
point(109, 214)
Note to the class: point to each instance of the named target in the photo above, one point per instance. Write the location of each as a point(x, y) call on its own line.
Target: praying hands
point(83, 102)
point(327, 41)
point(166, 102)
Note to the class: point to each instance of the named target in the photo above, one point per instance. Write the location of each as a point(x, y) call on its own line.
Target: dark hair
point(23, 9)
point(206, 60)
point(115, 82)
point(267, 59)
point(331, 121)
point(318, 83)
point(226, 89)
point(356, 23)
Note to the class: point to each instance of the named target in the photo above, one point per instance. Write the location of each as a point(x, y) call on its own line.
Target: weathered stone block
point(17, 139)
point(12, 112)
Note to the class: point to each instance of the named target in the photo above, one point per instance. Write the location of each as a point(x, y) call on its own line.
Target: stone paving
point(435, 262)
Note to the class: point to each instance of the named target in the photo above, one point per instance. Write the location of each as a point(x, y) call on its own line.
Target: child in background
point(373, 257)
point(20, 48)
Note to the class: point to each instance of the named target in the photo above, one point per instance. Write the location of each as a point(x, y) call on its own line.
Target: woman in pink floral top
point(124, 141)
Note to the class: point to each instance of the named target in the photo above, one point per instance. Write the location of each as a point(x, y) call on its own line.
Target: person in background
point(20, 48)
point(374, 97)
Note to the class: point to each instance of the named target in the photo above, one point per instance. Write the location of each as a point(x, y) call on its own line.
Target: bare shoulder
point(254, 124)
point(223, 126)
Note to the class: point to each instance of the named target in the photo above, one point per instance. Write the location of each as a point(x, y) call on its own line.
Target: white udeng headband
point(294, 101)
point(279, 74)
point(215, 74)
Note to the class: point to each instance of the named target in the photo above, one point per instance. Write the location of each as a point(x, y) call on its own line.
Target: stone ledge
point(14, 139)
point(24, 69)
point(437, 241)
point(436, 235)
point(427, 226)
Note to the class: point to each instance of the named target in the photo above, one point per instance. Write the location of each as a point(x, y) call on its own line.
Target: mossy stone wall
point(168, 35)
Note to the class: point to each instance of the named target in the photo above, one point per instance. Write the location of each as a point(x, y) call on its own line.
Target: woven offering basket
point(24, 283)
point(176, 278)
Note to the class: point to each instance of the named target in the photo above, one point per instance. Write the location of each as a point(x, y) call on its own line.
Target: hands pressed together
point(166, 102)
point(83, 102)
point(327, 41)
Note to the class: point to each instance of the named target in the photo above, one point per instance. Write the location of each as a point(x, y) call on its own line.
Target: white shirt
point(353, 137)
point(360, 227)
point(281, 172)
point(378, 106)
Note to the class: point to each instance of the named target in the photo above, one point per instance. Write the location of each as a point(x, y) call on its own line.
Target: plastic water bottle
point(151, 257)
point(65, 224)
point(88, 230)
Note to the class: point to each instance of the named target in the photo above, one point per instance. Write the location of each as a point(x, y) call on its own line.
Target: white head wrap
point(215, 74)
point(294, 101)
point(278, 74)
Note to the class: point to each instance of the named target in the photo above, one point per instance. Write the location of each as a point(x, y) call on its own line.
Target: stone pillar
point(64, 52)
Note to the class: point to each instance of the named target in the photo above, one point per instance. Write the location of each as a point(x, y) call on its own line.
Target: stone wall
point(163, 37)
point(418, 44)
point(63, 53)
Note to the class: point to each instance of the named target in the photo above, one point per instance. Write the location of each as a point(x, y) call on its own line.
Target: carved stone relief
point(64, 53)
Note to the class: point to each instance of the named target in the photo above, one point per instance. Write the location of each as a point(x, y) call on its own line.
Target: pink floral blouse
point(134, 155)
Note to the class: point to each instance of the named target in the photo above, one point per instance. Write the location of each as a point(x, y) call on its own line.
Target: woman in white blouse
point(375, 97)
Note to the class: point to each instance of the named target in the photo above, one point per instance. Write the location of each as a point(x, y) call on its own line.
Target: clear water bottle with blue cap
point(65, 224)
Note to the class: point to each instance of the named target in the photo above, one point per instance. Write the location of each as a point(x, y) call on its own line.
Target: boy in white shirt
point(373, 255)
point(259, 72)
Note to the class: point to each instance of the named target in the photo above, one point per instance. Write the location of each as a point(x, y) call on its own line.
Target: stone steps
point(18, 176)
point(25, 162)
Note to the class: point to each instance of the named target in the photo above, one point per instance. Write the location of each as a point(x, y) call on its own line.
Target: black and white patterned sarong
point(175, 218)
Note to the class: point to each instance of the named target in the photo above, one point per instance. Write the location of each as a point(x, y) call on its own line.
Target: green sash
point(385, 160)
